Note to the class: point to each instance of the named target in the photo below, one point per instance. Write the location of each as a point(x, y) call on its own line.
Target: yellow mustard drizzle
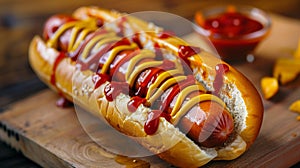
point(142, 55)
point(164, 80)
point(93, 43)
point(179, 108)
point(167, 84)
point(107, 39)
point(161, 78)
point(113, 54)
point(140, 68)
point(83, 28)
point(183, 94)
point(192, 102)
point(75, 42)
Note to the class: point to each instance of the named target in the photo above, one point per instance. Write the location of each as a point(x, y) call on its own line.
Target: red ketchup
point(113, 89)
point(121, 59)
point(75, 54)
point(135, 102)
point(100, 79)
point(92, 60)
point(136, 39)
point(221, 69)
point(59, 58)
point(165, 104)
point(185, 52)
point(158, 51)
point(166, 34)
point(229, 32)
point(152, 122)
point(53, 24)
point(100, 57)
point(121, 24)
point(148, 77)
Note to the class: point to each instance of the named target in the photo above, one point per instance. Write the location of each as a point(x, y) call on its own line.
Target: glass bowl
point(235, 31)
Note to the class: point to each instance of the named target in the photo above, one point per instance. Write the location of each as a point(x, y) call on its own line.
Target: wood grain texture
point(53, 137)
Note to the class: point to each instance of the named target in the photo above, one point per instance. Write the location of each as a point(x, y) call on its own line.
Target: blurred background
point(20, 20)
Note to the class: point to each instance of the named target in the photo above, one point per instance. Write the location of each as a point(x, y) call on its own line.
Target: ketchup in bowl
point(235, 31)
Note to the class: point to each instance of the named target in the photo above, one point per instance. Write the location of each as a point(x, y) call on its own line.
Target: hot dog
point(202, 108)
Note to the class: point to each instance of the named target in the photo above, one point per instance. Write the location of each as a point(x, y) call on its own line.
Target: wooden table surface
point(21, 20)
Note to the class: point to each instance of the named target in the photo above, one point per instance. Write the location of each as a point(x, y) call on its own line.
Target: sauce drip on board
point(63, 103)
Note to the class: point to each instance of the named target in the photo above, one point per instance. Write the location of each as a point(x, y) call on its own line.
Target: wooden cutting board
point(54, 137)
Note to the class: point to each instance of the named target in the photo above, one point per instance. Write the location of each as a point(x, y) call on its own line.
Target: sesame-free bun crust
point(168, 142)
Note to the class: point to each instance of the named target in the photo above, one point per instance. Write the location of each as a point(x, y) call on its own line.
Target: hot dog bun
point(169, 143)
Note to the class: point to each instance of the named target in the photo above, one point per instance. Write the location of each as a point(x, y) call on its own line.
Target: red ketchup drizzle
point(98, 57)
point(123, 41)
point(102, 60)
point(121, 27)
point(165, 34)
point(152, 122)
point(185, 52)
point(221, 69)
point(61, 102)
point(74, 55)
point(113, 89)
point(136, 39)
point(100, 79)
point(118, 63)
point(149, 76)
point(99, 22)
point(93, 60)
point(158, 52)
point(59, 58)
point(135, 102)
point(53, 24)
point(165, 103)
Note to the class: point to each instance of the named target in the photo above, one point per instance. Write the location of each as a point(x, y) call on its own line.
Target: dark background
point(20, 20)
